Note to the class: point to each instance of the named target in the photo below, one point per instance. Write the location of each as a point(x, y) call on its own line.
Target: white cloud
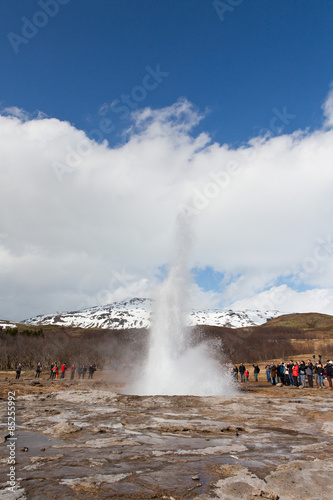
point(75, 213)
point(21, 114)
point(17, 112)
point(286, 300)
point(328, 109)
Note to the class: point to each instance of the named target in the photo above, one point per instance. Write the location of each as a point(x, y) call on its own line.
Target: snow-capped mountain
point(230, 318)
point(137, 313)
point(134, 313)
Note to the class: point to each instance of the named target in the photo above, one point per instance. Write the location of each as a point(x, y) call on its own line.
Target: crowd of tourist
point(81, 371)
point(57, 368)
point(310, 373)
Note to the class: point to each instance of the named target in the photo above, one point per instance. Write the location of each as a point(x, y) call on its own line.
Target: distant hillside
point(305, 321)
point(279, 338)
point(138, 313)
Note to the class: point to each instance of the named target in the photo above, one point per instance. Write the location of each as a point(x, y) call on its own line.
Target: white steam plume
point(173, 366)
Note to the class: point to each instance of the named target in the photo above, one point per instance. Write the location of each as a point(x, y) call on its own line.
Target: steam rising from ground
point(173, 365)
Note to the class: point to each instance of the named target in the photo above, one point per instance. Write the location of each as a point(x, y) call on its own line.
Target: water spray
point(174, 366)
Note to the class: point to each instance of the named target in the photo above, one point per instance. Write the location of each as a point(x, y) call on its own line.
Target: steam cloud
point(174, 366)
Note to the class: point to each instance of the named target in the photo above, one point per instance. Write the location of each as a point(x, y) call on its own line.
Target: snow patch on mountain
point(138, 313)
point(134, 313)
point(6, 324)
point(232, 319)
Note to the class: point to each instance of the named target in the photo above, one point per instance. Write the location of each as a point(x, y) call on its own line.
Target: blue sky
point(237, 69)
point(262, 56)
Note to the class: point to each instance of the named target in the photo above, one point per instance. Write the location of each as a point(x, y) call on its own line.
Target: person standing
point(268, 372)
point(309, 372)
point(18, 371)
point(247, 373)
point(273, 373)
point(234, 372)
point(91, 371)
point(301, 370)
point(290, 370)
point(241, 370)
point(72, 371)
point(315, 374)
point(329, 373)
point(286, 376)
point(278, 374)
point(38, 370)
point(281, 372)
point(63, 369)
point(299, 377)
point(51, 371)
point(295, 374)
point(256, 371)
point(320, 372)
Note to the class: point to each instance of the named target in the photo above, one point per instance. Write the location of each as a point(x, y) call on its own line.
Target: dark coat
point(329, 370)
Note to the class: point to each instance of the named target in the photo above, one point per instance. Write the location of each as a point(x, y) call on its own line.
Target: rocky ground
point(86, 439)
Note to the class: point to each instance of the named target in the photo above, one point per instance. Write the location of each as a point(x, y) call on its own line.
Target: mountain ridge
point(138, 313)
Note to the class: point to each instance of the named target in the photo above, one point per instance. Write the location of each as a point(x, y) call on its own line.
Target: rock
point(327, 427)
point(195, 478)
point(24, 449)
point(99, 430)
point(302, 476)
point(279, 384)
point(265, 494)
point(5, 437)
point(42, 449)
point(63, 428)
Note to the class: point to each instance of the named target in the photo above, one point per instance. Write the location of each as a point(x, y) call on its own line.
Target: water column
point(173, 365)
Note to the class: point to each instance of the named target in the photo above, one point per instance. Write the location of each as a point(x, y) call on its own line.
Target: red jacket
point(295, 370)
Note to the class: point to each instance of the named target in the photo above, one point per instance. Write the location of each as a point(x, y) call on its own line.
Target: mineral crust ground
point(87, 439)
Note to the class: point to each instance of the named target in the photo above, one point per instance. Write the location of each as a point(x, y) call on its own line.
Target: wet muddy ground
point(88, 440)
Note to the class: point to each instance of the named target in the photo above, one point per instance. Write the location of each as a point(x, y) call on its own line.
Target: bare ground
point(87, 439)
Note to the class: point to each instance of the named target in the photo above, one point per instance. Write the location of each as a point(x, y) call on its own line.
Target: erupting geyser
point(173, 365)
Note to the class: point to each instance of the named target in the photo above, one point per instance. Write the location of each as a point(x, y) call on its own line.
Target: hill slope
point(305, 321)
point(138, 313)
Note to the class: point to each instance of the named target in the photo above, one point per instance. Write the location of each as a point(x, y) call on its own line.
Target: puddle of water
point(34, 441)
point(251, 463)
